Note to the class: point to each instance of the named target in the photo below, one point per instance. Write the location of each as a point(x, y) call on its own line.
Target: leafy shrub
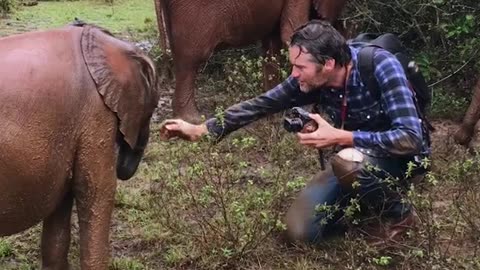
point(7, 6)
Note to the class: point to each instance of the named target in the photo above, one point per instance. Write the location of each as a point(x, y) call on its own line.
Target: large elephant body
point(75, 108)
point(193, 30)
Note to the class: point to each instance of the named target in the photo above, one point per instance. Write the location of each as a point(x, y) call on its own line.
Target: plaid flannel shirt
point(383, 124)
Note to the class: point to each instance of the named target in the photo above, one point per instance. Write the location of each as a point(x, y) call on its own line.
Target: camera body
point(295, 119)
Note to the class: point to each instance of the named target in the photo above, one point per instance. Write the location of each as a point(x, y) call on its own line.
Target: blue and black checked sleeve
point(285, 95)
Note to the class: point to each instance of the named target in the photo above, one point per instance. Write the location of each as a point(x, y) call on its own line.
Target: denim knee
point(304, 223)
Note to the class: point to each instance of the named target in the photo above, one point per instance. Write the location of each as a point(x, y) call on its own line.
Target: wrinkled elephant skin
point(468, 133)
point(73, 101)
point(193, 30)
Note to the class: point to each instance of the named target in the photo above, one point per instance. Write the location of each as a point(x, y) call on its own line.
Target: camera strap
point(343, 109)
point(343, 117)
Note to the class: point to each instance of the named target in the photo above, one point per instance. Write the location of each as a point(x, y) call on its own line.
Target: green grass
point(120, 17)
point(126, 264)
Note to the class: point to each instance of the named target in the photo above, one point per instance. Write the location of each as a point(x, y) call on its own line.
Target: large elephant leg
point(464, 133)
point(94, 190)
point(184, 105)
point(272, 46)
point(56, 236)
point(474, 144)
point(331, 10)
point(186, 68)
point(294, 14)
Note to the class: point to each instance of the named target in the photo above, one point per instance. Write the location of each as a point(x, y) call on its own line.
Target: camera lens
point(293, 125)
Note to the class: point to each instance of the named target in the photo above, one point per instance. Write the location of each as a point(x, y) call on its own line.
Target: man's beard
point(307, 87)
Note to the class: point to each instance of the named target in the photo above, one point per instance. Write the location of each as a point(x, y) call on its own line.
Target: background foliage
point(442, 35)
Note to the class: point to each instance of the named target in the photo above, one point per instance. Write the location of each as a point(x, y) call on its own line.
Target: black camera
point(295, 119)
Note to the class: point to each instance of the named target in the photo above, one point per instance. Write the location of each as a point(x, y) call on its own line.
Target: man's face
point(309, 74)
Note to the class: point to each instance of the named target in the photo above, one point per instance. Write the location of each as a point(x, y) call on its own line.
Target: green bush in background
point(7, 6)
point(442, 35)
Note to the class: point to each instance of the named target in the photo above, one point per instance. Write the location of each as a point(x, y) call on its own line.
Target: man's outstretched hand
point(177, 128)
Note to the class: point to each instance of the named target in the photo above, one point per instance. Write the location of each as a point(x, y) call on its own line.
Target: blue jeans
point(305, 223)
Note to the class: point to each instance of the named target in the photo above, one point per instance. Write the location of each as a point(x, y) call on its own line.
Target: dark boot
point(389, 231)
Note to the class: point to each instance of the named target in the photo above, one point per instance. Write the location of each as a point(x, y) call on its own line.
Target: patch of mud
point(164, 108)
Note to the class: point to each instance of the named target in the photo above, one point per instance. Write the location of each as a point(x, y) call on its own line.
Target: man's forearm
point(277, 99)
point(344, 137)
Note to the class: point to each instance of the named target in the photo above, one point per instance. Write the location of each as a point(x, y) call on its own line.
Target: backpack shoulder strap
point(366, 67)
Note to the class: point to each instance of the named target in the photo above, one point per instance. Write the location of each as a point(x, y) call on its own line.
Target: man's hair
point(321, 40)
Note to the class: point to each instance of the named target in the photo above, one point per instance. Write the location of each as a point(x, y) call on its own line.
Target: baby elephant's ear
point(125, 78)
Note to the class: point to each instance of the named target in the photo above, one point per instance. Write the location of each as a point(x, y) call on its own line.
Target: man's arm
point(405, 135)
point(285, 95)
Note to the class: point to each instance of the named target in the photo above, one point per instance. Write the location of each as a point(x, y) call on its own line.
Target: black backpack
point(421, 92)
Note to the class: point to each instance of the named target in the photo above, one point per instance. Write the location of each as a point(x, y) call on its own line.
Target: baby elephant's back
point(43, 87)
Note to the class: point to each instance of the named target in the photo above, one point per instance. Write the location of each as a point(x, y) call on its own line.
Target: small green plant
point(126, 264)
point(175, 255)
point(6, 249)
point(462, 26)
point(383, 260)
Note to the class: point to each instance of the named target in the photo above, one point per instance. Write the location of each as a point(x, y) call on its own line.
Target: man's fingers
point(170, 128)
point(309, 127)
point(170, 122)
point(306, 136)
point(311, 143)
point(173, 127)
point(317, 118)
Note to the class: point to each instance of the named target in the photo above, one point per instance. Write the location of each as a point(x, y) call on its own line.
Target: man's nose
point(295, 73)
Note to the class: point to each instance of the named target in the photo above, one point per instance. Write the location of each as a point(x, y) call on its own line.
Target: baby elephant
point(75, 108)
point(469, 132)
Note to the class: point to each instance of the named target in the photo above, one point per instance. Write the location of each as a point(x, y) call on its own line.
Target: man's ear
point(329, 65)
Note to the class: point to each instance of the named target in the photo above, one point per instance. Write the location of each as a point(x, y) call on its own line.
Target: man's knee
point(301, 216)
point(346, 166)
point(297, 220)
